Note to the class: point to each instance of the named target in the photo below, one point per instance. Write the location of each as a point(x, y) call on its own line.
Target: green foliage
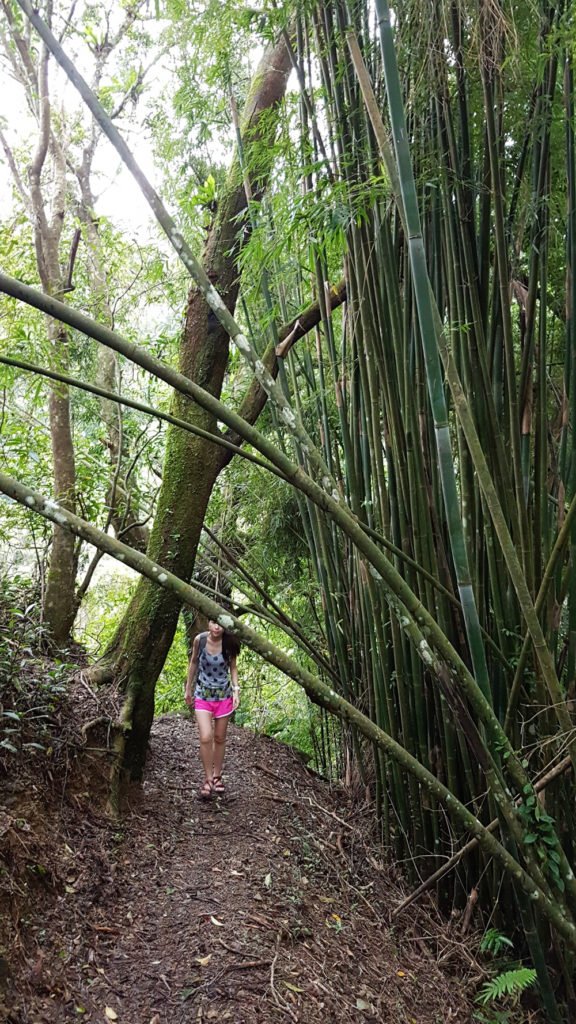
point(510, 984)
point(32, 685)
point(102, 607)
point(494, 1017)
point(170, 685)
point(101, 612)
point(541, 835)
point(274, 705)
point(494, 942)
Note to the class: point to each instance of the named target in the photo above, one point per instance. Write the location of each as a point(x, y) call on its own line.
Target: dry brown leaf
point(110, 1013)
point(293, 988)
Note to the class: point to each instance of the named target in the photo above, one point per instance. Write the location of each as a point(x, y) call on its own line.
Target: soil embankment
point(266, 905)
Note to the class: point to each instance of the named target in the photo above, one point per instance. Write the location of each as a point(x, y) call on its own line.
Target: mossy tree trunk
point(192, 465)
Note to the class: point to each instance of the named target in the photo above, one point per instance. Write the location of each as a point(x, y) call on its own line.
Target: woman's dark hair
point(230, 646)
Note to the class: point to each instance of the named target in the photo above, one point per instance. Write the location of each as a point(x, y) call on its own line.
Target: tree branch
point(68, 286)
point(26, 71)
point(113, 396)
point(320, 692)
point(25, 195)
point(256, 397)
point(291, 420)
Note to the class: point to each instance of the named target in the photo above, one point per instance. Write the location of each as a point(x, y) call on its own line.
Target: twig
point(281, 1003)
point(331, 814)
point(232, 949)
point(268, 771)
point(249, 965)
point(277, 798)
point(82, 679)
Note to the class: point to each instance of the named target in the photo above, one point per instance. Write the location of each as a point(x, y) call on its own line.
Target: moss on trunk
point(191, 466)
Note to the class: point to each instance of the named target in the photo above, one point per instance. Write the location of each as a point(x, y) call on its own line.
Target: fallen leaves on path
point(268, 905)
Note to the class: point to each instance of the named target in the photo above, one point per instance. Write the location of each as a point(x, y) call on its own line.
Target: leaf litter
point(185, 912)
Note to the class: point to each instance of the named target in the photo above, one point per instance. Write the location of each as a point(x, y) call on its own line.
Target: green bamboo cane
point(314, 687)
point(428, 336)
point(520, 521)
point(568, 452)
point(272, 388)
point(496, 513)
point(410, 612)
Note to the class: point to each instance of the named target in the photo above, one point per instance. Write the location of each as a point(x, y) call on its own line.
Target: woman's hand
point(188, 697)
point(235, 697)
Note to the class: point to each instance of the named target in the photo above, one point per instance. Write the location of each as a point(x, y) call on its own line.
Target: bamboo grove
point(427, 428)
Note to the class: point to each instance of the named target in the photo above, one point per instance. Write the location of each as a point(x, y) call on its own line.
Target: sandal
point(217, 784)
point(206, 790)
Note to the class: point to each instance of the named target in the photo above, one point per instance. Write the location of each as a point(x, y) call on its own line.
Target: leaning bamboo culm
point(386, 445)
point(439, 417)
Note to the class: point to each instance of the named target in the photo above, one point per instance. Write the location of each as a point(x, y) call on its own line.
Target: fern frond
point(509, 983)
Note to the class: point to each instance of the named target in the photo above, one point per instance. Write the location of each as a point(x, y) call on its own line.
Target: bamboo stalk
point(313, 686)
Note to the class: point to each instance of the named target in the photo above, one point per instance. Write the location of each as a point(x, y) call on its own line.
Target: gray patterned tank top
point(213, 678)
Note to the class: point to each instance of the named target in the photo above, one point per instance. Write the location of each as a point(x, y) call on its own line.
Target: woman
point(216, 696)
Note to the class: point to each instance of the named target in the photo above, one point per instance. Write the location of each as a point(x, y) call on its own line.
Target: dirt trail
point(263, 906)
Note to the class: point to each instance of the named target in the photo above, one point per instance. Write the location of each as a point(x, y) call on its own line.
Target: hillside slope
point(265, 905)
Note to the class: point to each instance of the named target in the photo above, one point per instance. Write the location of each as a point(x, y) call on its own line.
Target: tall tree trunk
point(48, 220)
point(46, 196)
point(192, 464)
point(59, 608)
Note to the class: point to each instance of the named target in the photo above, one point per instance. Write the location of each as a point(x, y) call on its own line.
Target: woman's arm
point(192, 668)
point(235, 686)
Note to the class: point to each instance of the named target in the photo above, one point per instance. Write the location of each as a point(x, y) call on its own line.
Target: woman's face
point(215, 628)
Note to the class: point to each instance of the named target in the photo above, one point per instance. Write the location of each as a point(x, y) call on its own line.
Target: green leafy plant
point(510, 984)
point(495, 1017)
point(493, 942)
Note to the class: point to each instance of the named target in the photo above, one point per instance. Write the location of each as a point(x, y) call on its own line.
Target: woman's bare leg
point(205, 731)
point(220, 729)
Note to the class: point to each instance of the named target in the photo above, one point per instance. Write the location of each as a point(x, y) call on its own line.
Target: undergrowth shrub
point(32, 685)
point(500, 996)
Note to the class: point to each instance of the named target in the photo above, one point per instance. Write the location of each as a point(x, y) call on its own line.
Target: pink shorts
point(218, 708)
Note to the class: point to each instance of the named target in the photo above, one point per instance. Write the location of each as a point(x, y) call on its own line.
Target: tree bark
point(192, 464)
point(59, 608)
point(46, 197)
point(48, 220)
